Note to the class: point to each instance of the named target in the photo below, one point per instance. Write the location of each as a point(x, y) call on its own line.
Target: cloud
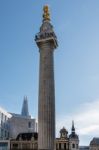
point(86, 119)
point(89, 130)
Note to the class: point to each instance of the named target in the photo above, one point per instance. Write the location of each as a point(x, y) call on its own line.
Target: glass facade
point(4, 125)
point(3, 146)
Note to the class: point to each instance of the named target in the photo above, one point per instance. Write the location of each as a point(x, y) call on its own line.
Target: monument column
point(46, 41)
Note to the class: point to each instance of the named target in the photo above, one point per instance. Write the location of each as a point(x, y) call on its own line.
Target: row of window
point(62, 146)
point(4, 125)
point(3, 117)
point(66, 146)
point(4, 134)
point(24, 146)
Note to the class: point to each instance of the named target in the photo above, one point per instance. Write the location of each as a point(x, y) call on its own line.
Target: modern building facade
point(46, 41)
point(4, 144)
point(20, 123)
point(4, 124)
point(12, 124)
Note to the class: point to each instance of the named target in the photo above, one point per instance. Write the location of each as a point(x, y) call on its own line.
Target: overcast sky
point(76, 24)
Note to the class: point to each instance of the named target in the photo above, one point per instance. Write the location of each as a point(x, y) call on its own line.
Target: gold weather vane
point(46, 15)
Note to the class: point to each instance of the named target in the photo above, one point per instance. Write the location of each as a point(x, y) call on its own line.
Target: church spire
point(73, 128)
point(25, 111)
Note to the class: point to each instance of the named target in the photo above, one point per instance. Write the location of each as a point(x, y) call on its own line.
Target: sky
point(76, 24)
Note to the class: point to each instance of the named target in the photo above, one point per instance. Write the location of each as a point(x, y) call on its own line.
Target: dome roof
point(63, 130)
point(95, 141)
point(73, 136)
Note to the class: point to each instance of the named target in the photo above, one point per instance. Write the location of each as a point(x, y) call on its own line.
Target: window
point(1, 123)
point(5, 118)
point(77, 146)
point(59, 145)
point(29, 125)
point(56, 146)
point(8, 134)
point(15, 146)
point(35, 146)
point(2, 116)
point(73, 145)
point(5, 133)
point(64, 145)
point(1, 133)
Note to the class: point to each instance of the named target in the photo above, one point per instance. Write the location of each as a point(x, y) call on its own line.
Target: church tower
point(73, 139)
point(46, 41)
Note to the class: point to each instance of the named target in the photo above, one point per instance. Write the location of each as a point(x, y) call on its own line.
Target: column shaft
point(46, 108)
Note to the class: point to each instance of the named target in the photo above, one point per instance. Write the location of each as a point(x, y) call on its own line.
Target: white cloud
point(86, 119)
point(89, 130)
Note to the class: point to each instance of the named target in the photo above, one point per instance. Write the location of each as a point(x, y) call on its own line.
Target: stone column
point(47, 42)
